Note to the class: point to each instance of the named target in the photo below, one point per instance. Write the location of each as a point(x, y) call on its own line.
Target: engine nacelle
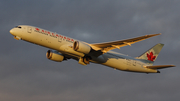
point(54, 55)
point(81, 47)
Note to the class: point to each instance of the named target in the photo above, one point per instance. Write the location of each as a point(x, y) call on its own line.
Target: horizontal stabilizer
point(159, 66)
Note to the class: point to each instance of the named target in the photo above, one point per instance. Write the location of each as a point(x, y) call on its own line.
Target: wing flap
point(159, 66)
point(104, 47)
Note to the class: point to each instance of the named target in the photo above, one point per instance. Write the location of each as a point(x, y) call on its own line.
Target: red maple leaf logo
point(150, 56)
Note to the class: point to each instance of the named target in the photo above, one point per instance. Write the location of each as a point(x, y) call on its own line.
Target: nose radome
point(11, 31)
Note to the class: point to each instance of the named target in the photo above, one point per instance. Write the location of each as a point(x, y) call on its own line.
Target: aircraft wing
point(107, 46)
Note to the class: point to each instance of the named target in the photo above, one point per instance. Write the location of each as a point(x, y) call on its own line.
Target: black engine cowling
point(54, 55)
point(81, 47)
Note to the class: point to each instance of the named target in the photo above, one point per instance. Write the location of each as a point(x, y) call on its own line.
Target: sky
point(27, 75)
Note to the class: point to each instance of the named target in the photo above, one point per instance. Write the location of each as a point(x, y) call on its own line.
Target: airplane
point(64, 48)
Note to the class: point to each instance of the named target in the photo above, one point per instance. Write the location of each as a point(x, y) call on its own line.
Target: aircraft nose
point(11, 31)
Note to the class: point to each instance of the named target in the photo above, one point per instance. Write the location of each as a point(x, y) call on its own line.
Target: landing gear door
point(29, 29)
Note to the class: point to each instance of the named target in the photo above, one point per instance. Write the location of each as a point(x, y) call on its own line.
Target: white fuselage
point(63, 44)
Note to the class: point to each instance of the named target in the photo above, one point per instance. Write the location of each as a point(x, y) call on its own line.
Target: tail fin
point(151, 54)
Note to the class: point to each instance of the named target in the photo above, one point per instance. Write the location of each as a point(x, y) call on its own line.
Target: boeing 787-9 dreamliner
point(64, 48)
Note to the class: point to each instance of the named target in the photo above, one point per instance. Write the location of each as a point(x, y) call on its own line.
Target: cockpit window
point(18, 27)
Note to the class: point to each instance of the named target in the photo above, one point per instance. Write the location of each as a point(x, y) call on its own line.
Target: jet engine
point(81, 47)
point(54, 55)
